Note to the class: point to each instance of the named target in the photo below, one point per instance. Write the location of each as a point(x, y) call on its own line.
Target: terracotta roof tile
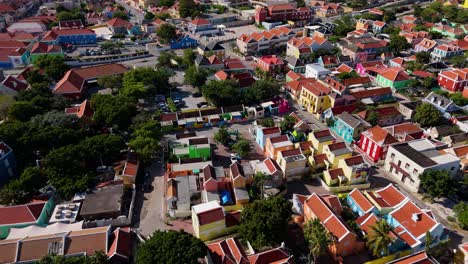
point(365, 205)
point(380, 136)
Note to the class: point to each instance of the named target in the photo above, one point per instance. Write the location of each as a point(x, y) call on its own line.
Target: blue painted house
point(263, 133)
point(411, 223)
point(349, 127)
point(7, 164)
point(70, 36)
point(184, 42)
point(359, 204)
point(13, 58)
point(367, 221)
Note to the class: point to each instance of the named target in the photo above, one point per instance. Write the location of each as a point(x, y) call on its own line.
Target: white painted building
point(316, 71)
point(406, 161)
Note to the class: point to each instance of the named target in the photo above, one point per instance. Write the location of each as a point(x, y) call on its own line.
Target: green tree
point(427, 115)
point(120, 14)
point(259, 180)
point(287, 124)
point(317, 238)
point(423, 57)
point(103, 147)
point(379, 238)
point(222, 136)
point(188, 8)
point(23, 111)
point(67, 171)
point(167, 3)
point(164, 59)
point(114, 81)
point(5, 102)
point(222, 93)
point(21, 190)
point(461, 211)
point(437, 183)
point(265, 222)
point(398, 44)
point(242, 147)
point(267, 122)
point(458, 99)
point(40, 89)
point(373, 118)
point(189, 57)
point(194, 76)
point(54, 118)
point(391, 30)
point(112, 110)
point(428, 242)
point(261, 91)
point(145, 140)
point(389, 15)
point(171, 247)
point(459, 61)
point(154, 81)
point(347, 75)
point(70, 15)
point(344, 25)
point(166, 32)
point(53, 66)
point(428, 82)
point(149, 16)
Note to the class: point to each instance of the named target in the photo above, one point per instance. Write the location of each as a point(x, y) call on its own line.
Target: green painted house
point(193, 148)
point(393, 78)
point(19, 216)
point(42, 48)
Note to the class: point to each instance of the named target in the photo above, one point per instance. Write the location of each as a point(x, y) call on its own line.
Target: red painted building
point(270, 64)
point(374, 143)
point(454, 80)
point(283, 12)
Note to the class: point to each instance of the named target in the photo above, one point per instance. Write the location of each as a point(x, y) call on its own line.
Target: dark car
point(201, 104)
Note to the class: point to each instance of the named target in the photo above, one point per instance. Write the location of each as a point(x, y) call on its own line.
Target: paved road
point(137, 16)
point(152, 214)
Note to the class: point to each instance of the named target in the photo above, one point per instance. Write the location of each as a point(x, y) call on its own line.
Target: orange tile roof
point(28, 213)
point(390, 196)
point(361, 200)
point(380, 136)
point(394, 75)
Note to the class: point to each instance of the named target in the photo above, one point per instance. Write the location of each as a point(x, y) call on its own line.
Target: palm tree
point(259, 181)
point(379, 238)
point(318, 238)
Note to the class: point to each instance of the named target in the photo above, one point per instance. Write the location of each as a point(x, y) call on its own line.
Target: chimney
point(416, 217)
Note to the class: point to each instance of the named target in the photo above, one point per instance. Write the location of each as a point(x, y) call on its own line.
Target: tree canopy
point(112, 110)
point(379, 238)
point(398, 44)
point(171, 247)
point(317, 238)
point(195, 76)
point(98, 258)
point(461, 211)
point(145, 140)
point(437, 183)
point(242, 147)
point(166, 32)
point(265, 222)
point(188, 8)
point(120, 14)
point(54, 67)
point(427, 115)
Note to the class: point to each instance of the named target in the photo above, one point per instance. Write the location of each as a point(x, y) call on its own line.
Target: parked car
point(201, 104)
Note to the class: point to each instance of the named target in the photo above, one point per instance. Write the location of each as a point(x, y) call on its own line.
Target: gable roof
point(380, 136)
point(394, 75)
point(349, 119)
point(227, 251)
point(416, 221)
point(388, 196)
point(361, 200)
point(28, 213)
point(236, 170)
point(118, 22)
point(323, 135)
point(326, 215)
point(271, 165)
point(272, 256)
point(14, 84)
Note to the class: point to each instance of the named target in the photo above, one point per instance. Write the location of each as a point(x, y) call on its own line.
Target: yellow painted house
point(209, 221)
point(319, 139)
point(336, 152)
point(293, 163)
point(314, 96)
point(355, 169)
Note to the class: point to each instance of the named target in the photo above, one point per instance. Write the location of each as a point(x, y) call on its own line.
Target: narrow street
point(151, 202)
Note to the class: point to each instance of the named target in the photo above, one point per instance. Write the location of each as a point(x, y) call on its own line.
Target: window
point(452, 168)
point(415, 171)
point(406, 166)
point(392, 157)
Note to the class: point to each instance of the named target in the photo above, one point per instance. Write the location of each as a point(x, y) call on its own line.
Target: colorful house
point(193, 148)
point(387, 116)
point(296, 65)
point(263, 133)
point(386, 199)
point(412, 223)
point(453, 80)
point(336, 152)
point(293, 163)
point(355, 169)
point(445, 51)
point(320, 139)
point(70, 36)
point(375, 142)
point(349, 127)
point(209, 221)
point(183, 43)
point(359, 203)
point(314, 96)
point(393, 78)
point(41, 48)
point(270, 64)
point(327, 209)
point(19, 216)
point(276, 144)
point(7, 163)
